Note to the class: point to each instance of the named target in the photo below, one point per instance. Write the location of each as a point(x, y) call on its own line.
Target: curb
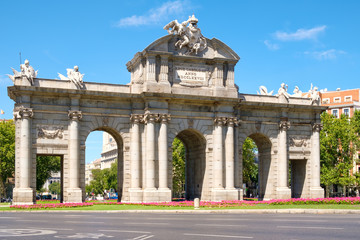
point(233, 211)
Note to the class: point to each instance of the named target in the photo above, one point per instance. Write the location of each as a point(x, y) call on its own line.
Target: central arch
point(118, 155)
point(195, 145)
point(263, 144)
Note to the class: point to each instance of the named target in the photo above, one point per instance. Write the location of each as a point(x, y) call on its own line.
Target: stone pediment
point(164, 66)
point(216, 49)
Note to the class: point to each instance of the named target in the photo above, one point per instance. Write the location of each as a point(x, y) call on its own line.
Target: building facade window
point(337, 99)
point(346, 112)
point(347, 98)
point(335, 112)
point(326, 101)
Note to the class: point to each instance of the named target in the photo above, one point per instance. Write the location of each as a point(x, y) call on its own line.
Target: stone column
point(74, 191)
point(218, 152)
point(150, 151)
point(229, 155)
point(163, 152)
point(135, 150)
point(283, 191)
point(25, 145)
point(315, 190)
point(23, 192)
point(74, 148)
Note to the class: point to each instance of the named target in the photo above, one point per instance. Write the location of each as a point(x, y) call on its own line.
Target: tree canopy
point(7, 152)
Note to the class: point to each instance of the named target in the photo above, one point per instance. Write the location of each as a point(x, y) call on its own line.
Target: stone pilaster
point(315, 190)
point(219, 81)
point(218, 152)
point(150, 69)
point(283, 191)
point(74, 193)
point(230, 82)
point(164, 70)
point(24, 193)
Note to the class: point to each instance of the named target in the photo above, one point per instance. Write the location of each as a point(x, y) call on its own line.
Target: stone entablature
point(192, 97)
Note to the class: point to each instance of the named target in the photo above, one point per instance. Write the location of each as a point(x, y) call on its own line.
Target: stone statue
point(314, 95)
point(283, 91)
point(297, 92)
point(264, 91)
point(73, 75)
point(190, 36)
point(26, 71)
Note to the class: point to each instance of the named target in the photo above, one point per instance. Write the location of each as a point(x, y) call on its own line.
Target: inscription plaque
point(191, 76)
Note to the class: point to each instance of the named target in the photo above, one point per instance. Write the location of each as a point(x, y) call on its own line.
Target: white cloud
point(154, 15)
point(300, 34)
point(330, 54)
point(271, 46)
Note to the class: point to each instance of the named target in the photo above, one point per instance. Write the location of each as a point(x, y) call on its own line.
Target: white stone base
point(136, 195)
point(317, 192)
point(283, 193)
point(23, 196)
point(157, 195)
point(226, 194)
point(73, 195)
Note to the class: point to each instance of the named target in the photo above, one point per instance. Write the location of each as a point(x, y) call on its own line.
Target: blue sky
point(296, 42)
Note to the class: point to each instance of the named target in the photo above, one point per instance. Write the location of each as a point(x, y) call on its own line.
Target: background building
point(341, 101)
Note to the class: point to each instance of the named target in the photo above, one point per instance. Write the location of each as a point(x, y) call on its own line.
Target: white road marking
point(142, 237)
point(325, 228)
point(218, 225)
point(221, 236)
point(138, 223)
point(124, 231)
point(85, 222)
point(297, 220)
point(24, 232)
point(26, 220)
point(56, 229)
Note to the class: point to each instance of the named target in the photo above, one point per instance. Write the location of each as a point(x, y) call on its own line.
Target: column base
point(73, 195)
point(23, 196)
point(316, 192)
point(136, 195)
point(157, 195)
point(221, 194)
point(283, 193)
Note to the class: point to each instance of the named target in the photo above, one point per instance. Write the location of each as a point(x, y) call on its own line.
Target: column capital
point(137, 118)
point(150, 117)
point(75, 115)
point(284, 125)
point(220, 121)
point(233, 121)
point(164, 117)
point(317, 127)
point(23, 113)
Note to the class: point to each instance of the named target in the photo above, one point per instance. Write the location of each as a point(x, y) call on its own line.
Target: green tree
point(250, 168)
point(55, 188)
point(178, 157)
point(45, 165)
point(338, 143)
point(7, 153)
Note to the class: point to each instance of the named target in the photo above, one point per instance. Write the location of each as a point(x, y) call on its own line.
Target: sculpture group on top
point(28, 71)
point(190, 35)
point(73, 75)
point(313, 93)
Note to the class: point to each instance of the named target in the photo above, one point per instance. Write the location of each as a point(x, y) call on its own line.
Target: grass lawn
point(259, 206)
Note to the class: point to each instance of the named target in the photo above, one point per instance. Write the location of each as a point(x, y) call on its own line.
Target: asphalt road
point(141, 226)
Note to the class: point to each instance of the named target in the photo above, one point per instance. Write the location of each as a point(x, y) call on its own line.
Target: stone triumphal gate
point(178, 88)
